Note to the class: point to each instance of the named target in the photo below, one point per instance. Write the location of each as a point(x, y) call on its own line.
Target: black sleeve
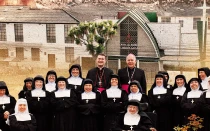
point(143, 82)
point(32, 126)
point(145, 124)
point(12, 105)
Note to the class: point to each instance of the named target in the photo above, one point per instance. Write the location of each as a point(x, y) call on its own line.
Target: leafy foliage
point(94, 35)
point(195, 123)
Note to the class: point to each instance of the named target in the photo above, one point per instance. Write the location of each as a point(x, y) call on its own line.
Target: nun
point(38, 103)
point(64, 103)
point(27, 87)
point(75, 79)
point(136, 93)
point(7, 105)
point(50, 81)
point(180, 88)
point(191, 101)
point(205, 98)
point(113, 101)
point(134, 119)
point(203, 74)
point(160, 100)
point(89, 107)
point(22, 120)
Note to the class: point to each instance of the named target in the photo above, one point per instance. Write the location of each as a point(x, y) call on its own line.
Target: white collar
point(179, 91)
point(50, 86)
point(131, 119)
point(159, 90)
point(4, 99)
point(62, 93)
point(75, 80)
point(89, 95)
point(113, 92)
point(136, 96)
point(204, 83)
point(38, 92)
point(194, 94)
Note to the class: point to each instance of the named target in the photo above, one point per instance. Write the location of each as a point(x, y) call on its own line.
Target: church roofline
point(138, 16)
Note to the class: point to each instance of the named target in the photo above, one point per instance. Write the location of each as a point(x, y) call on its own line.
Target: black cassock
point(191, 106)
point(6, 107)
point(40, 108)
point(206, 110)
point(29, 125)
point(177, 112)
point(89, 119)
point(112, 108)
point(64, 112)
point(144, 124)
point(161, 104)
point(94, 75)
point(138, 75)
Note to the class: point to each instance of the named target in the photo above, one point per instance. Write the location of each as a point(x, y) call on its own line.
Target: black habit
point(206, 110)
point(29, 125)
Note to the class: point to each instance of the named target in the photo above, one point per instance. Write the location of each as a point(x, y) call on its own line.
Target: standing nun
point(113, 101)
point(191, 101)
point(89, 107)
point(22, 120)
point(50, 81)
point(203, 74)
point(180, 88)
point(7, 105)
point(160, 99)
point(64, 102)
point(136, 93)
point(27, 87)
point(205, 98)
point(75, 79)
point(38, 103)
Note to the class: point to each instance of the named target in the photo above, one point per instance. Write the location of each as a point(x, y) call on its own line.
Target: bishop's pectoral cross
point(38, 98)
point(192, 101)
point(131, 128)
point(87, 101)
point(114, 99)
point(3, 107)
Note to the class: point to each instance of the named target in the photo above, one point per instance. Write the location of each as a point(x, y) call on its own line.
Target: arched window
point(128, 37)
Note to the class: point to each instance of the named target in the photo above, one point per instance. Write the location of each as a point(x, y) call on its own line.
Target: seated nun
point(22, 120)
point(134, 119)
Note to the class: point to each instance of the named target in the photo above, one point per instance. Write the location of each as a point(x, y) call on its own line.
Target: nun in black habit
point(180, 88)
point(166, 75)
point(7, 105)
point(134, 119)
point(113, 101)
point(75, 79)
point(89, 107)
point(64, 102)
point(160, 100)
point(191, 101)
point(38, 103)
point(22, 120)
point(50, 81)
point(136, 93)
point(205, 98)
point(203, 74)
point(27, 86)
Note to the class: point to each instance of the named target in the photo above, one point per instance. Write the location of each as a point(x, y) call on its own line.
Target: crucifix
point(192, 101)
point(158, 97)
point(3, 107)
point(38, 98)
point(87, 101)
point(114, 99)
point(177, 97)
point(131, 128)
point(75, 87)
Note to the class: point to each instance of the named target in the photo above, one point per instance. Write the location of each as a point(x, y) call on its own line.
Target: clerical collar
point(129, 69)
point(100, 69)
point(204, 83)
point(131, 119)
